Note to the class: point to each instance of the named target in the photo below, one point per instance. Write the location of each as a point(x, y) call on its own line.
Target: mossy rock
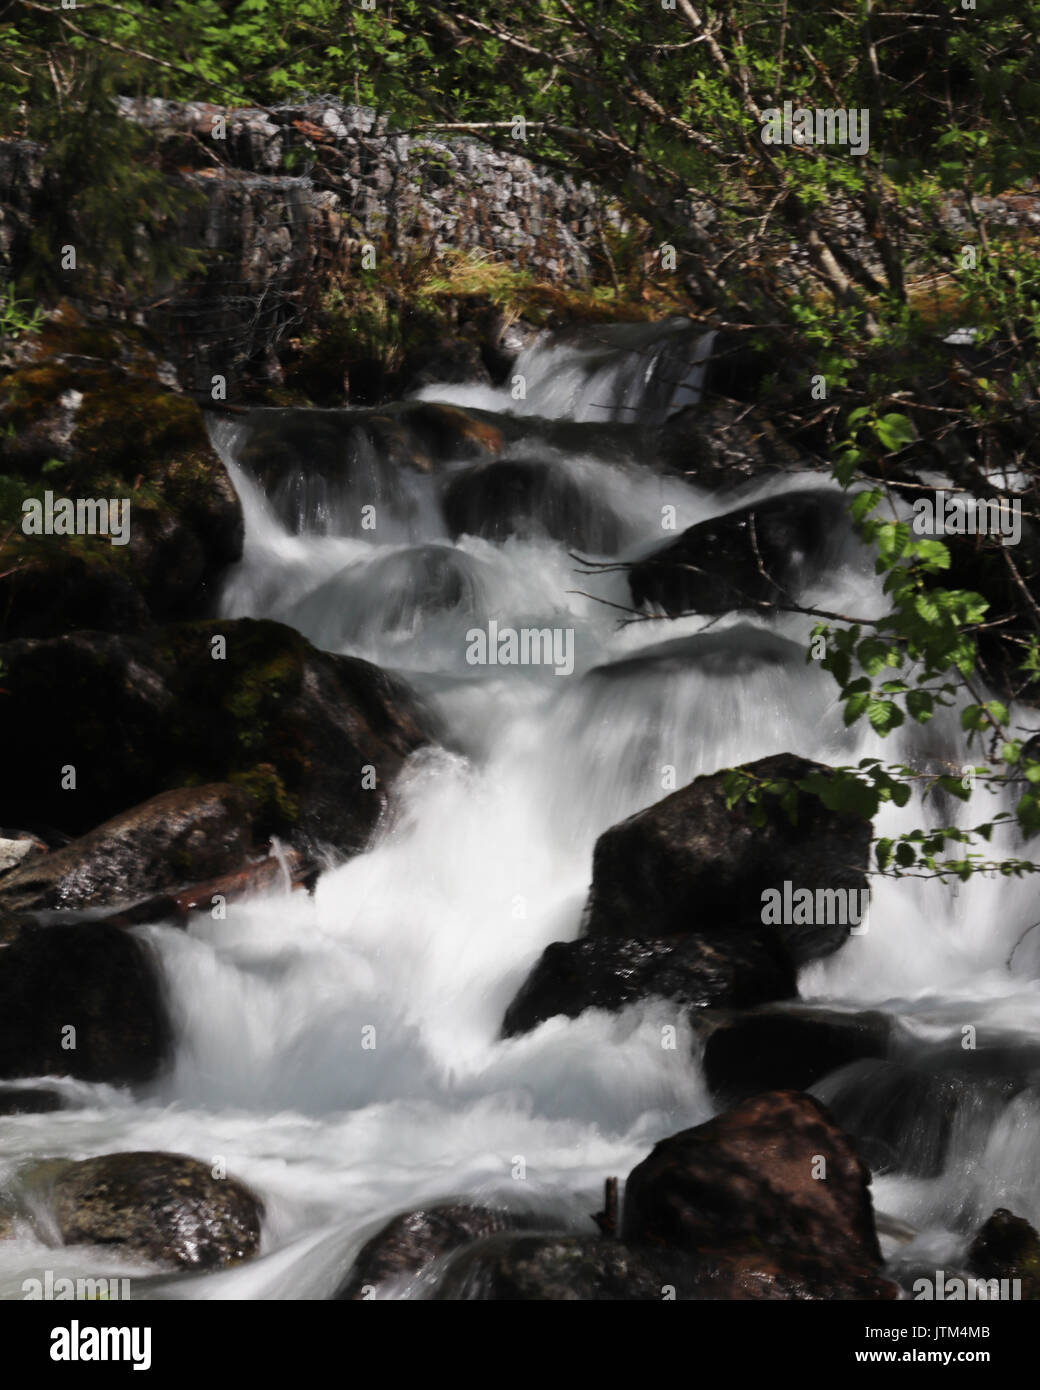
point(313, 739)
point(88, 415)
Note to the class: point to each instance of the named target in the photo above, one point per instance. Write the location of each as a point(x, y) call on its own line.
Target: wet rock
point(88, 418)
point(740, 650)
point(17, 850)
point(1007, 1247)
point(165, 1208)
point(81, 1000)
point(320, 467)
point(29, 1100)
point(773, 1174)
point(550, 1268)
point(777, 1275)
point(450, 434)
point(458, 360)
point(293, 727)
point(689, 863)
point(753, 557)
point(788, 1048)
point(181, 836)
point(612, 972)
point(901, 1115)
point(528, 497)
point(411, 1241)
point(721, 445)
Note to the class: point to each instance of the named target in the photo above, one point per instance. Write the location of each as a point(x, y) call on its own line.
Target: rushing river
point(419, 944)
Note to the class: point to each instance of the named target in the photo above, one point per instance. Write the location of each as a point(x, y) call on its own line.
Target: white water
point(426, 937)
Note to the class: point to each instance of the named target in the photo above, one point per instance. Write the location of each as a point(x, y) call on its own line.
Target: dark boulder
point(722, 445)
point(320, 467)
point(1007, 1247)
point(611, 972)
point(788, 1048)
point(690, 863)
point(740, 650)
point(451, 435)
point(181, 836)
point(777, 1275)
point(753, 557)
point(29, 1100)
point(775, 1172)
point(165, 1208)
point(550, 1268)
point(294, 727)
point(82, 1000)
point(522, 497)
point(409, 1242)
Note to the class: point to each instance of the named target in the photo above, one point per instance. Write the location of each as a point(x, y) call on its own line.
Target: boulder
point(29, 1100)
point(753, 557)
point(409, 1242)
point(773, 1173)
point(550, 1268)
point(79, 1000)
point(689, 863)
point(88, 415)
point(161, 1207)
point(241, 701)
point(722, 445)
point(777, 1275)
point(180, 836)
point(522, 497)
point(694, 971)
point(17, 849)
point(1007, 1247)
point(318, 468)
point(787, 1048)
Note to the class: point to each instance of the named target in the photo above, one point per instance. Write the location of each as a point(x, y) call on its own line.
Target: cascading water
point(418, 945)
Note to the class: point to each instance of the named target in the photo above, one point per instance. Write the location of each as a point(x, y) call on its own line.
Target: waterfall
point(341, 1050)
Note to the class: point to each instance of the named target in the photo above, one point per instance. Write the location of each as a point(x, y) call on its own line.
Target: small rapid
point(341, 1050)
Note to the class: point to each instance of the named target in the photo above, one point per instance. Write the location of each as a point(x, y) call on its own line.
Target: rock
point(524, 497)
point(740, 650)
point(91, 978)
point(753, 557)
point(293, 727)
point(181, 836)
point(788, 1048)
point(549, 1268)
point(29, 1100)
point(773, 1174)
point(318, 468)
point(165, 1208)
point(901, 1115)
point(14, 852)
point(777, 1275)
point(88, 417)
point(1007, 1247)
point(451, 435)
point(458, 360)
point(611, 972)
point(411, 1241)
point(298, 190)
point(689, 863)
point(719, 445)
